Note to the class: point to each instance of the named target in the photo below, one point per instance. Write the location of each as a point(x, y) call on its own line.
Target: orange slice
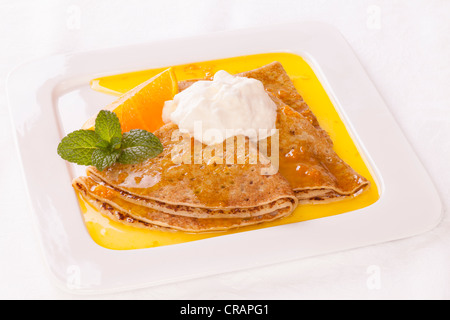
point(141, 107)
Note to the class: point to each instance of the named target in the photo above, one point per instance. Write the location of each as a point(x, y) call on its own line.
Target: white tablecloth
point(405, 48)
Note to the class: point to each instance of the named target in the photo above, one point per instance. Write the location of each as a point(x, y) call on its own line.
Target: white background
point(405, 48)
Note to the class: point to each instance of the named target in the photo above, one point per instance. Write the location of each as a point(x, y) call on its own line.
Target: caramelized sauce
point(117, 236)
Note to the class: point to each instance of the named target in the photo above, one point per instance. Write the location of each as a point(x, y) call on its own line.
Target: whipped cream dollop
point(213, 111)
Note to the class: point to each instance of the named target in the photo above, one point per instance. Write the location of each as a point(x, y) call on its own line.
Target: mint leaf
point(78, 146)
point(103, 159)
point(107, 126)
point(138, 146)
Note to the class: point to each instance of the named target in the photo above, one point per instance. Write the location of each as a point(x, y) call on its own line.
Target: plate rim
point(76, 271)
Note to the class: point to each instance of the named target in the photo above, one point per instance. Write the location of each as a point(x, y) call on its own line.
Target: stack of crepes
point(162, 194)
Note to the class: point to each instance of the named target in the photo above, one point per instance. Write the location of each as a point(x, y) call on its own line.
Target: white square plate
point(408, 204)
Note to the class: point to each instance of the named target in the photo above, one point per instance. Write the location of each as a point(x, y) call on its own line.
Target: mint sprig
point(106, 145)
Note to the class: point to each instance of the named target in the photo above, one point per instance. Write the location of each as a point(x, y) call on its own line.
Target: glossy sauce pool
point(116, 236)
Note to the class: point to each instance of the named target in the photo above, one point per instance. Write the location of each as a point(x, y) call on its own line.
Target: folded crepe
point(307, 159)
point(163, 193)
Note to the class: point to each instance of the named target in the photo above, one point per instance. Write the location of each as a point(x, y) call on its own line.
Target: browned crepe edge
point(196, 212)
point(114, 212)
point(325, 195)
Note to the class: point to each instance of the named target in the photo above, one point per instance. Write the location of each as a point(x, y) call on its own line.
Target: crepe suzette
point(161, 194)
point(307, 158)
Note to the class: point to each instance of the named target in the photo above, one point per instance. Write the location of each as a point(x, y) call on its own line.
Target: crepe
point(165, 193)
point(116, 208)
point(161, 193)
point(307, 159)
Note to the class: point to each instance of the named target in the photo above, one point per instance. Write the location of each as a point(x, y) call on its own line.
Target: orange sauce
point(116, 236)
